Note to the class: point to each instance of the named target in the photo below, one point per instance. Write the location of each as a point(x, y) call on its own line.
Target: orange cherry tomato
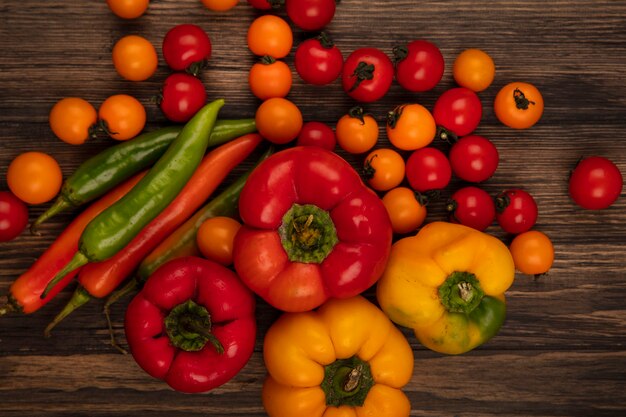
point(135, 58)
point(215, 239)
point(405, 209)
point(219, 5)
point(123, 115)
point(533, 252)
point(278, 120)
point(356, 132)
point(71, 120)
point(411, 127)
point(128, 9)
point(384, 169)
point(474, 69)
point(34, 177)
point(270, 78)
point(270, 35)
point(519, 105)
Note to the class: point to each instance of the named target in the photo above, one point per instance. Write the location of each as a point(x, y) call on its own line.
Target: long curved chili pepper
point(116, 226)
point(100, 173)
point(99, 279)
point(25, 292)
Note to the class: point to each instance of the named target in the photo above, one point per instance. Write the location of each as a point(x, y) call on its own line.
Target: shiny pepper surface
point(345, 359)
point(447, 283)
point(312, 230)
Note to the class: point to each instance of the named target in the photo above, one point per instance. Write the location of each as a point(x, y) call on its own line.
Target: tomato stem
point(362, 72)
point(521, 102)
point(357, 112)
point(446, 135)
point(368, 170)
point(325, 40)
point(394, 115)
point(400, 52)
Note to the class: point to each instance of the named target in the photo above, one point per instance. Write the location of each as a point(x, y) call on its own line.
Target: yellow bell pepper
point(447, 283)
point(345, 359)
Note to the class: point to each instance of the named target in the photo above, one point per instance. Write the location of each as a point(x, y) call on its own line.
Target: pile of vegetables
point(304, 229)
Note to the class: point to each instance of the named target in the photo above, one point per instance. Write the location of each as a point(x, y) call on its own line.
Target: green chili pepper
point(116, 226)
point(102, 172)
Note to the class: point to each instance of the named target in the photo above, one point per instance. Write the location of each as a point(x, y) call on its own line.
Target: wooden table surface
point(562, 350)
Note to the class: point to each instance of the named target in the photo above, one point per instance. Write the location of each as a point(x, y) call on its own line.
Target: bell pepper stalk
point(447, 283)
point(345, 358)
point(311, 230)
point(192, 324)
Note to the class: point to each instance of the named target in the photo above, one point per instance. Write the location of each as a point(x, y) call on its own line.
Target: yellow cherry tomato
point(533, 252)
point(71, 120)
point(270, 35)
point(34, 177)
point(215, 239)
point(406, 211)
point(278, 120)
point(270, 78)
point(384, 169)
point(411, 127)
point(134, 58)
point(123, 115)
point(474, 69)
point(356, 132)
point(128, 9)
point(219, 5)
point(519, 105)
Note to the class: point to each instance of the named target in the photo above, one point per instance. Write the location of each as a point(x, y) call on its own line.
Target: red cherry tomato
point(474, 158)
point(419, 65)
point(473, 207)
point(428, 169)
point(265, 4)
point(13, 216)
point(318, 61)
point(183, 95)
point(516, 211)
point(186, 47)
point(310, 14)
point(367, 74)
point(595, 183)
point(458, 111)
point(317, 134)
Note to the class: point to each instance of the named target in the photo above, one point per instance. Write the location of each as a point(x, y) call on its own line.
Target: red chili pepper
point(99, 279)
point(192, 325)
point(25, 292)
point(312, 230)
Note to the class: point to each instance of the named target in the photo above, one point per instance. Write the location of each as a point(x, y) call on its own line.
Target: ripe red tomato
point(419, 65)
point(310, 14)
point(318, 61)
point(317, 134)
point(516, 211)
point(428, 169)
point(595, 183)
point(13, 216)
point(266, 4)
point(186, 47)
point(474, 158)
point(182, 96)
point(473, 207)
point(367, 74)
point(458, 111)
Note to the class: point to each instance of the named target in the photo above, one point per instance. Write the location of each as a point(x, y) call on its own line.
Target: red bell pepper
point(192, 324)
point(311, 230)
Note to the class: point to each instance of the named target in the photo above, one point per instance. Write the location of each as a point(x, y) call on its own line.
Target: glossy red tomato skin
point(422, 67)
point(317, 134)
point(260, 4)
point(182, 96)
point(13, 216)
point(316, 63)
point(310, 15)
point(516, 211)
point(367, 90)
point(473, 207)
point(595, 183)
point(458, 110)
point(428, 169)
point(474, 158)
point(184, 45)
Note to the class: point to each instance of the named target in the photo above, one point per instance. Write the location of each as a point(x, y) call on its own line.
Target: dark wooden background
point(562, 351)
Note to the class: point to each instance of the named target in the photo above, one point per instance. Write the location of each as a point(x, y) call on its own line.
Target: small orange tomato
point(278, 120)
point(270, 78)
point(128, 9)
point(411, 127)
point(533, 252)
point(134, 58)
point(71, 120)
point(519, 105)
point(356, 132)
point(406, 210)
point(123, 115)
point(474, 69)
point(384, 169)
point(270, 35)
point(215, 239)
point(219, 5)
point(34, 177)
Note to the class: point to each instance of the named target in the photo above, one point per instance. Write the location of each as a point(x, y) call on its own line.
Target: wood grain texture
point(562, 351)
